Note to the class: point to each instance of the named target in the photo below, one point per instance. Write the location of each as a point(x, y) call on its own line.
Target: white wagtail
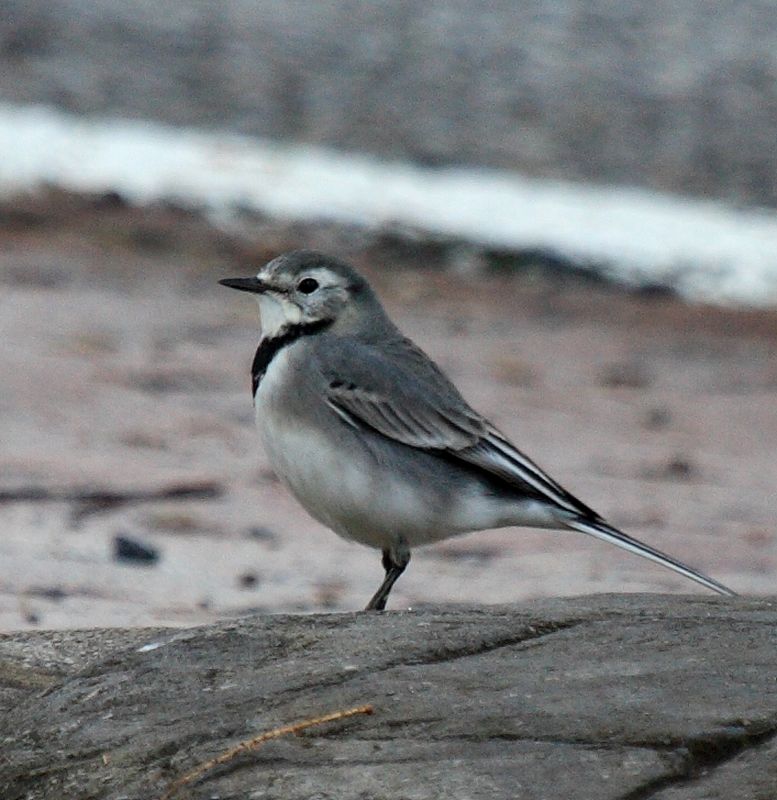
point(373, 439)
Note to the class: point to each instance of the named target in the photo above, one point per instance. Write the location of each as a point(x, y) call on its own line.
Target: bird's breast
point(330, 484)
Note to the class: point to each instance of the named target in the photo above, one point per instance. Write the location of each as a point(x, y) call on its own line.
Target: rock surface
point(628, 697)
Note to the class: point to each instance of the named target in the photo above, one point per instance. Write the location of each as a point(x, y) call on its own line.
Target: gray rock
point(630, 696)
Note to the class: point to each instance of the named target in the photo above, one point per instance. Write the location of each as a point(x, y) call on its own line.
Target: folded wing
point(400, 393)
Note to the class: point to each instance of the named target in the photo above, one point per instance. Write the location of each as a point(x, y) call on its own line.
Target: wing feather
point(400, 393)
point(419, 426)
point(494, 454)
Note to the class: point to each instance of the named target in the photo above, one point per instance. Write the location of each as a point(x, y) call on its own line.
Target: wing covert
point(399, 392)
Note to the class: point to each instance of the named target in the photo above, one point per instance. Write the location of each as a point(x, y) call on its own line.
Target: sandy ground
point(126, 412)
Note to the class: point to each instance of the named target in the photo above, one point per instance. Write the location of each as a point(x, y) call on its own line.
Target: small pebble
point(134, 551)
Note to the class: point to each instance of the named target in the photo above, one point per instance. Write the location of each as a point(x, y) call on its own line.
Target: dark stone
point(134, 551)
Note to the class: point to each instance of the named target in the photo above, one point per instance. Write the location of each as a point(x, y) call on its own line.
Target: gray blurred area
point(678, 96)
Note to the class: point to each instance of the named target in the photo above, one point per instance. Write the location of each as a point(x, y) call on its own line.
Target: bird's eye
point(307, 285)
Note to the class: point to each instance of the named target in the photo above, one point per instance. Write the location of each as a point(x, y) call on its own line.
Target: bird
point(374, 440)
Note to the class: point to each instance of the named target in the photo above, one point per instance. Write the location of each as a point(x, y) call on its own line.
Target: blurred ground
point(125, 377)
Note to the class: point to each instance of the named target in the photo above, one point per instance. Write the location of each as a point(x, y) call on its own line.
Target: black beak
point(245, 284)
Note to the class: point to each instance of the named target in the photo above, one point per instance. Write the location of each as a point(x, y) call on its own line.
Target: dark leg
point(394, 562)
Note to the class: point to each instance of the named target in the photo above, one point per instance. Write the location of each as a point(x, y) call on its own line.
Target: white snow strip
point(705, 250)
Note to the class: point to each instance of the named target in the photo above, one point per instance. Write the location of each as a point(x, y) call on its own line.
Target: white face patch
point(275, 312)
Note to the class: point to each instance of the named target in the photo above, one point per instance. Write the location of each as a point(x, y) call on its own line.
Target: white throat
point(276, 312)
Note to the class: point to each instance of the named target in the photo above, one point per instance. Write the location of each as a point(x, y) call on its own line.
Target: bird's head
point(304, 287)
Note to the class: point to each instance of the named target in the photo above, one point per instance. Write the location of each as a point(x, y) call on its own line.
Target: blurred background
point(571, 206)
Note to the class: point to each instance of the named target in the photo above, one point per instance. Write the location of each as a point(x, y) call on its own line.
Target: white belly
point(354, 499)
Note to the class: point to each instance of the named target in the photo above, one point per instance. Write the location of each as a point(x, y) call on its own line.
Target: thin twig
point(248, 745)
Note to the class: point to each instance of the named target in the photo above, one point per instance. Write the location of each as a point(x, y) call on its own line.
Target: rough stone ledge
point(616, 696)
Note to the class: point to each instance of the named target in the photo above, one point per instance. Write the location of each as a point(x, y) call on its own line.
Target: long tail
point(603, 531)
